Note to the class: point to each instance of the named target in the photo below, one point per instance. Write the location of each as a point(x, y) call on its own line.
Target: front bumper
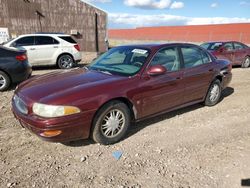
point(74, 127)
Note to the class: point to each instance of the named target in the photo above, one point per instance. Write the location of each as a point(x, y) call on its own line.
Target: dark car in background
point(14, 67)
point(236, 52)
point(127, 83)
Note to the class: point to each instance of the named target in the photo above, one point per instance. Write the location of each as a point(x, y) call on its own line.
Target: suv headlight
point(51, 111)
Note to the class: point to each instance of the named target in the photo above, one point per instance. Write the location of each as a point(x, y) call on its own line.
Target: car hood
point(51, 86)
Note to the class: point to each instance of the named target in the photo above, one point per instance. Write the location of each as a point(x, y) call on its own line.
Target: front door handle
point(32, 48)
point(55, 46)
point(211, 70)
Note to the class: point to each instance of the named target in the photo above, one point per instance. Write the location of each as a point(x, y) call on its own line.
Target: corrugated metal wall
point(192, 33)
point(30, 16)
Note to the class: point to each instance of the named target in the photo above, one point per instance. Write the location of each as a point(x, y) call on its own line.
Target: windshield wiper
point(100, 70)
point(104, 71)
point(85, 67)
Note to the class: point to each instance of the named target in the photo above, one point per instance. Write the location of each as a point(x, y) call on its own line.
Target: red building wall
point(194, 33)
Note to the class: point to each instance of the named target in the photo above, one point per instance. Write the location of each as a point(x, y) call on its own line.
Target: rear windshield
point(69, 39)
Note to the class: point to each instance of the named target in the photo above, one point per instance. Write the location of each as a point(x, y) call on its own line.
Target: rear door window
point(192, 56)
point(205, 57)
point(25, 41)
point(238, 46)
point(45, 40)
point(68, 39)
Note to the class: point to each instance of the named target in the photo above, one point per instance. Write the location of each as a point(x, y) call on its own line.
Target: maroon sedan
point(236, 52)
point(127, 83)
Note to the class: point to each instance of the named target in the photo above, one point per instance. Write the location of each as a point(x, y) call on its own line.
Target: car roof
point(45, 34)
point(156, 45)
point(221, 42)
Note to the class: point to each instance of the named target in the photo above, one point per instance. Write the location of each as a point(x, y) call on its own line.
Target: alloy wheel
point(247, 62)
point(2, 82)
point(215, 92)
point(113, 123)
point(66, 62)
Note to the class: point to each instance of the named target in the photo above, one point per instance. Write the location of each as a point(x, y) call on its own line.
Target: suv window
point(25, 41)
point(168, 58)
point(238, 46)
point(193, 57)
point(68, 39)
point(45, 40)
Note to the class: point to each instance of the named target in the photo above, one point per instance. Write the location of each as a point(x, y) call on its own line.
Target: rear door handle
point(211, 70)
point(55, 46)
point(178, 78)
point(32, 48)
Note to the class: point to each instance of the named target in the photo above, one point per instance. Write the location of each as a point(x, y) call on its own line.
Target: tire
point(103, 121)
point(65, 62)
point(214, 93)
point(4, 81)
point(246, 62)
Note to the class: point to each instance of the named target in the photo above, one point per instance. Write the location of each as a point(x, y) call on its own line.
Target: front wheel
point(111, 123)
point(246, 62)
point(65, 62)
point(214, 93)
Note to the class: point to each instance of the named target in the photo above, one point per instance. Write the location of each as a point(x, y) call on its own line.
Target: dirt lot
point(193, 147)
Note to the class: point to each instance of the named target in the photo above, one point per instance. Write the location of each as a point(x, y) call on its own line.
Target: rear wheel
point(246, 62)
point(4, 81)
point(65, 62)
point(214, 93)
point(111, 123)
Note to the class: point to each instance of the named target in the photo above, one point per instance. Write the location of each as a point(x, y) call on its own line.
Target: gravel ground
point(193, 147)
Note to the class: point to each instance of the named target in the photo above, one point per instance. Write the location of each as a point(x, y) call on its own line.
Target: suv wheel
point(4, 81)
point(65, 62)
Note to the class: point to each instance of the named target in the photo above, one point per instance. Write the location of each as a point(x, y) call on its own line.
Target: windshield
point(213, 46)
point(126, 61)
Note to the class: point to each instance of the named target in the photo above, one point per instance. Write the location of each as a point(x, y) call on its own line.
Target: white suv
point(49, 49)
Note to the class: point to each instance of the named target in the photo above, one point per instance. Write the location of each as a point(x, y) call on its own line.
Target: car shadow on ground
point(44, 67)
point(138, 126)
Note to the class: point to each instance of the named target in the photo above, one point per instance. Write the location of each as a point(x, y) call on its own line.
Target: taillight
point(22, 57)
point(77, 47)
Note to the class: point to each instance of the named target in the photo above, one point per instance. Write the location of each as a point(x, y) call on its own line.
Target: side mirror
point(156, 70)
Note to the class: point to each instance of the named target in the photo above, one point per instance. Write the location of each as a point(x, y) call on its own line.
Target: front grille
point(20, 105)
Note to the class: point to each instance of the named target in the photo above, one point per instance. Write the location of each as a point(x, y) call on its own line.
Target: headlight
point(51, 111)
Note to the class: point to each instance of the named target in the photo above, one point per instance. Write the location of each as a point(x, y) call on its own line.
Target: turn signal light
point(51, 133)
